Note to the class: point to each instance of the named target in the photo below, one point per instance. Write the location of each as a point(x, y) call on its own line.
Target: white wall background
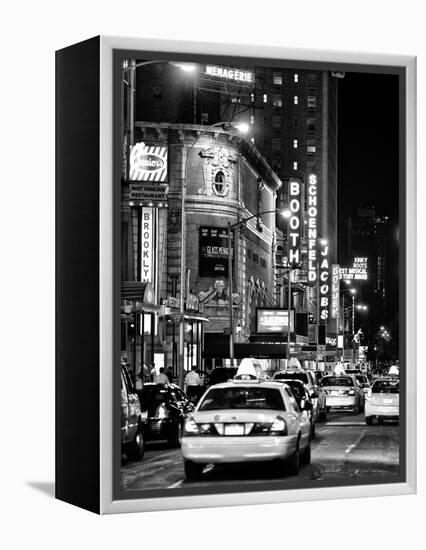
point(30, 33)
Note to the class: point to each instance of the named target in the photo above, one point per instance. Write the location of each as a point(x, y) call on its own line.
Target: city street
point(344, 447)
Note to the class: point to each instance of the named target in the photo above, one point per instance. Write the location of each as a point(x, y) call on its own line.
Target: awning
point(137, 296)
point(195, 317)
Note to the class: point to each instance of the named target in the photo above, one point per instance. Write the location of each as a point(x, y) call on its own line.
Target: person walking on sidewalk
point(192, 384)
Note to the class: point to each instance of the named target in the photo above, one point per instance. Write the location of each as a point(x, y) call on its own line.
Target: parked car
point(343, 391)
point(382, 401)
point(166, 407)
point(246, 420)
point(132, 419)
point(316, 392)
point(302, 395)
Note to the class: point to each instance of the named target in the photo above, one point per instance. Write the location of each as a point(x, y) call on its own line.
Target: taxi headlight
point(278, 426)
point(190, 427)
point(351, 392)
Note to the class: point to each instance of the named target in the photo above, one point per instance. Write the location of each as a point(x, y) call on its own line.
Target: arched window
point(219, 185)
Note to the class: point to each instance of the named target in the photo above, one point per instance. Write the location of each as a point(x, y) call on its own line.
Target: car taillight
point(161, 412)
point(190, 427)
point(278, 426)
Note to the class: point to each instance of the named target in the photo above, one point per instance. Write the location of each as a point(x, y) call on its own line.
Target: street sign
point(148, 192)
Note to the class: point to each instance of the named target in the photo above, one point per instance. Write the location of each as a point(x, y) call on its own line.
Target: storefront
point(139, 322)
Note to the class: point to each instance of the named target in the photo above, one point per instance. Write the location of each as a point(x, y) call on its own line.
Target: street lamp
point(284, 214)
point(243, 128)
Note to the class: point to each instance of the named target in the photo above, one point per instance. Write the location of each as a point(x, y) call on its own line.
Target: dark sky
point(368, 143)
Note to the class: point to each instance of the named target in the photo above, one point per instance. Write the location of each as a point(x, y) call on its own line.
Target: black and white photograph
point(259, 279)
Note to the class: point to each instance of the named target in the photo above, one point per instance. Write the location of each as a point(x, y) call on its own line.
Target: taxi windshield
point(337, 381)
point(385, 386)
point(242, 398)
point(293, 376)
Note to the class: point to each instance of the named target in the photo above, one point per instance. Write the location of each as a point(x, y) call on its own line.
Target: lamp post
point(284, 213)
point(226, 127)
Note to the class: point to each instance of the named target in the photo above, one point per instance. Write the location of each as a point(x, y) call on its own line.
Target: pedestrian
point(169, 373)
point(192, 384)
point(152, 372)
point(161, 378)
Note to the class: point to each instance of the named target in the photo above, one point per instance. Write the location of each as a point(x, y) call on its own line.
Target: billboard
point(358, 271)
point(312, 208)
point(295, 224)
point(147, 246)
point(213, 252)
point(274, 320)
point(148, 163)
point(335, 292)
point(324, 285)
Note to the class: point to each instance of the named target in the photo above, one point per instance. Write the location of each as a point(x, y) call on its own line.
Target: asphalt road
point(344, 447)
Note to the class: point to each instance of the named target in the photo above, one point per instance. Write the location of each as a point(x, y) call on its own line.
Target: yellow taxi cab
point(246, 420)
point(382, 400)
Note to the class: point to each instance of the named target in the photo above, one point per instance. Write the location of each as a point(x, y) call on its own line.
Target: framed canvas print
point(235, 275)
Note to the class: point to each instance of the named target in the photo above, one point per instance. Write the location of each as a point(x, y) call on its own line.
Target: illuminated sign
point(274, 320)
point(229, 74)
point(312, 227)
point(335, 290)
point(147, 245)
point(323, 281)
point(148, 163)
point(330, 340)
point(295, 223)
point(358, 271)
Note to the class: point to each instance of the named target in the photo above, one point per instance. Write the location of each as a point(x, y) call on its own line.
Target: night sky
point(368, 143)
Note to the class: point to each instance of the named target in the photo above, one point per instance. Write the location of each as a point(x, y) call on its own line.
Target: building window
point(220, 186)
point(296, 77)
point(263, 262)
point(295, 122)
point(276, 122)
point(265, 98)
point(277, 101)
point(277, 79)
point(255, 258)
point(311, 147)
point(296, 100)
point(311, 124)
point(312, 82)
point(295, 143)
point(294, 165)
point(312, 102)
point(276, 144)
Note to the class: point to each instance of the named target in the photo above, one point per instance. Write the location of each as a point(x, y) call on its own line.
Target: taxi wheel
point(381, 420)
point(136, 448)
point(369, 420)
point(294, 462)
point(357, 409)
point(175, 439)
point(193, 470)
point(323, 414)
point(306, 457)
